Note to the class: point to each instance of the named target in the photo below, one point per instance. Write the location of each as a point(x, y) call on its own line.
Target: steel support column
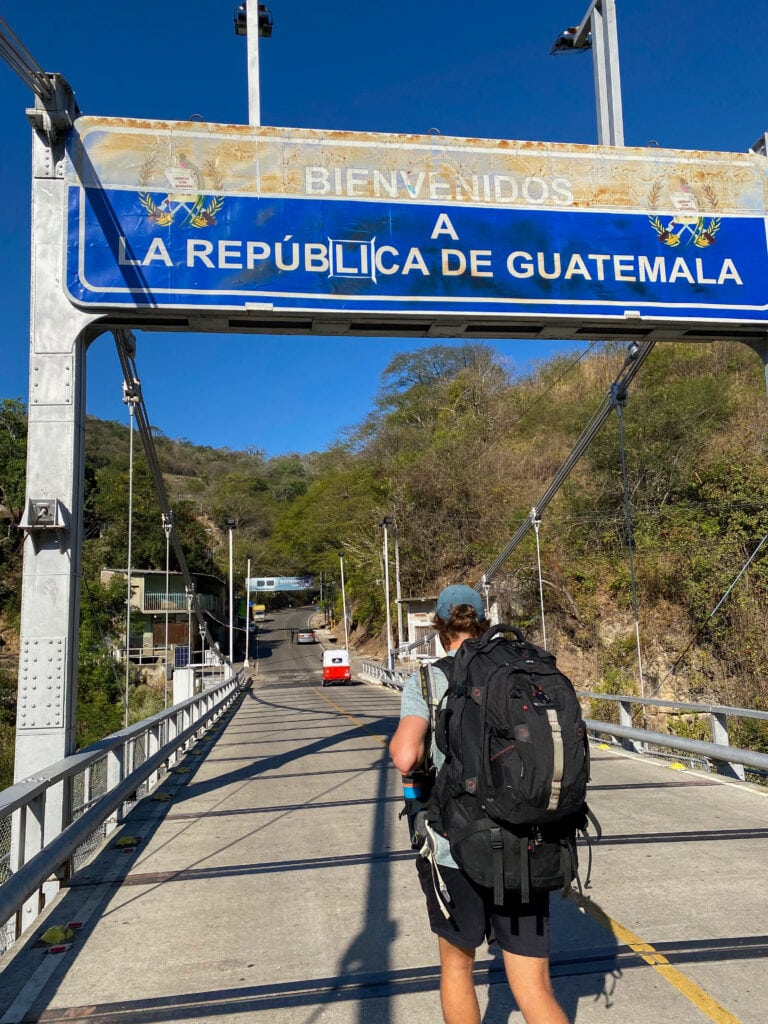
point(50, 598)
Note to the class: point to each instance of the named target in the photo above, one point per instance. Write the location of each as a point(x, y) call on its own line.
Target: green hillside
point(457, 450)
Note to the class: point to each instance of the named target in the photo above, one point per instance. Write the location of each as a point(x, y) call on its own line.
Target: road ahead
point(275, 886)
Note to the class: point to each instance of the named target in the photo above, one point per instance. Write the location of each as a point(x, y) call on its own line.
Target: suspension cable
point(20, 60)
point(126, 351)
point(131, 397)
point(536, 524)
point(619, 397)
point(635, 358)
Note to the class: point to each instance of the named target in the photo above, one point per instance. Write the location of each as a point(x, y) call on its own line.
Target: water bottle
point(413, 785)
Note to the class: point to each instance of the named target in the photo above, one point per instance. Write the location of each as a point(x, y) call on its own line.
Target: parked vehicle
point(336, 667)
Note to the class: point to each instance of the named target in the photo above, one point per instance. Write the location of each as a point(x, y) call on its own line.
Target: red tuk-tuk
point(336, 667)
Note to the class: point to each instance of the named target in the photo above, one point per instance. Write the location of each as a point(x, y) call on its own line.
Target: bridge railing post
point(719, 720)
point(29, 836)
point(153, 745)
point(625, 719)
point(115, 775)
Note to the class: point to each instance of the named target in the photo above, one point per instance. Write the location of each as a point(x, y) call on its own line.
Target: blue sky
point(693, 77)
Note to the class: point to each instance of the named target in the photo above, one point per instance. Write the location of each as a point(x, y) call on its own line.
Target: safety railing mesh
point(6, 927)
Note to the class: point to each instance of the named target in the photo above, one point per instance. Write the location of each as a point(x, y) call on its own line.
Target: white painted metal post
point(605, 58)
point(167, 527)
point(344, 603)
point(247, 662)
point(398, 592)
point(50, 605)
point(230, 526)
point(600, 22)
point(390, 665)
point(252, 45)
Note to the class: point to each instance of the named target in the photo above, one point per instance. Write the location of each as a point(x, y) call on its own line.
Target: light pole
point(398, 594)
point(390, 660)
point(597, 31)
point(247, 662)
point(189, 590)
point(202, 649)
point(253, 20)
point(167, 527)
point(344, 603)
point(230, 526)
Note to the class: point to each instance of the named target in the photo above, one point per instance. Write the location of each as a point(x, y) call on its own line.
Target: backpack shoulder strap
point(429, 688)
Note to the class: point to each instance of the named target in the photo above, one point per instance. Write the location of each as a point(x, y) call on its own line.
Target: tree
point(13, 456)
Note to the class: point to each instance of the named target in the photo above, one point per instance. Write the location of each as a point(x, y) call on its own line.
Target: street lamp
point(230, 524)
point(398, 593)
point(597, 31)
point(247, 662)
point(253, 20)
point(390, 654)
point(189, 590)
point(344, 603)
point(167, 527)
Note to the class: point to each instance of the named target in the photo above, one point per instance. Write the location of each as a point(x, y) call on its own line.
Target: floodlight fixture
point(566, 42)
point(265, 21)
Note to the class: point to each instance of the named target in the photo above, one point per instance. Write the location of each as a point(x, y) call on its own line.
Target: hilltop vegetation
point(456, 451)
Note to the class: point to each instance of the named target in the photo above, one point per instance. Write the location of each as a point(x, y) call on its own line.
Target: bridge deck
point(275, 886)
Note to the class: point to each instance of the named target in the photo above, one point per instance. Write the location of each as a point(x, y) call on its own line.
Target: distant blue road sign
point(262, 584)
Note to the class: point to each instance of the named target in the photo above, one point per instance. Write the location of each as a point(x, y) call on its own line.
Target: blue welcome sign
point(212, 217)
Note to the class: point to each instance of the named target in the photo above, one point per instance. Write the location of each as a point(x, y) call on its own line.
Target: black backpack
point(511, 795)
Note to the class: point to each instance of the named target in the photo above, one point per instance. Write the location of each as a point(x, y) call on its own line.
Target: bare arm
point(406, 747)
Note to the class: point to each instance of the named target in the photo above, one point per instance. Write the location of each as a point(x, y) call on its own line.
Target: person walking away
point(461, 913)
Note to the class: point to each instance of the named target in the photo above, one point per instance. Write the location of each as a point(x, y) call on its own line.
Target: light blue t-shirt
point(413, 704)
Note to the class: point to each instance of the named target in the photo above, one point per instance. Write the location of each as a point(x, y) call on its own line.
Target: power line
point(126, 350)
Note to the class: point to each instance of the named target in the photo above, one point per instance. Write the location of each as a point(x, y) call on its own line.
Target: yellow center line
point(693, 992)
point(352, 718)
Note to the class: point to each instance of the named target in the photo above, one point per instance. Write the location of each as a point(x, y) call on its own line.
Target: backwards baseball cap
point(458, 593)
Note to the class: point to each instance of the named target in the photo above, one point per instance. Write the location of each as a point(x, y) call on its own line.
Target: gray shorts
point(521, 928)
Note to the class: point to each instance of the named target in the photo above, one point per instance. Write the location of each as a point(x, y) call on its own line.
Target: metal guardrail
point(375, 672)
point(726, 759)
point(126, 762)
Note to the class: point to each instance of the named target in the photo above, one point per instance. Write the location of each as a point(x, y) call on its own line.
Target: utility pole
point(344, 603)
point(230, 523)
point(390, 654)
point(398, 594)
point(247, 662)
point(167, 527)
point(598, 32)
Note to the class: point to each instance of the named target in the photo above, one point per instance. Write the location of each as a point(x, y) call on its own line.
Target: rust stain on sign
point(184, 158)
